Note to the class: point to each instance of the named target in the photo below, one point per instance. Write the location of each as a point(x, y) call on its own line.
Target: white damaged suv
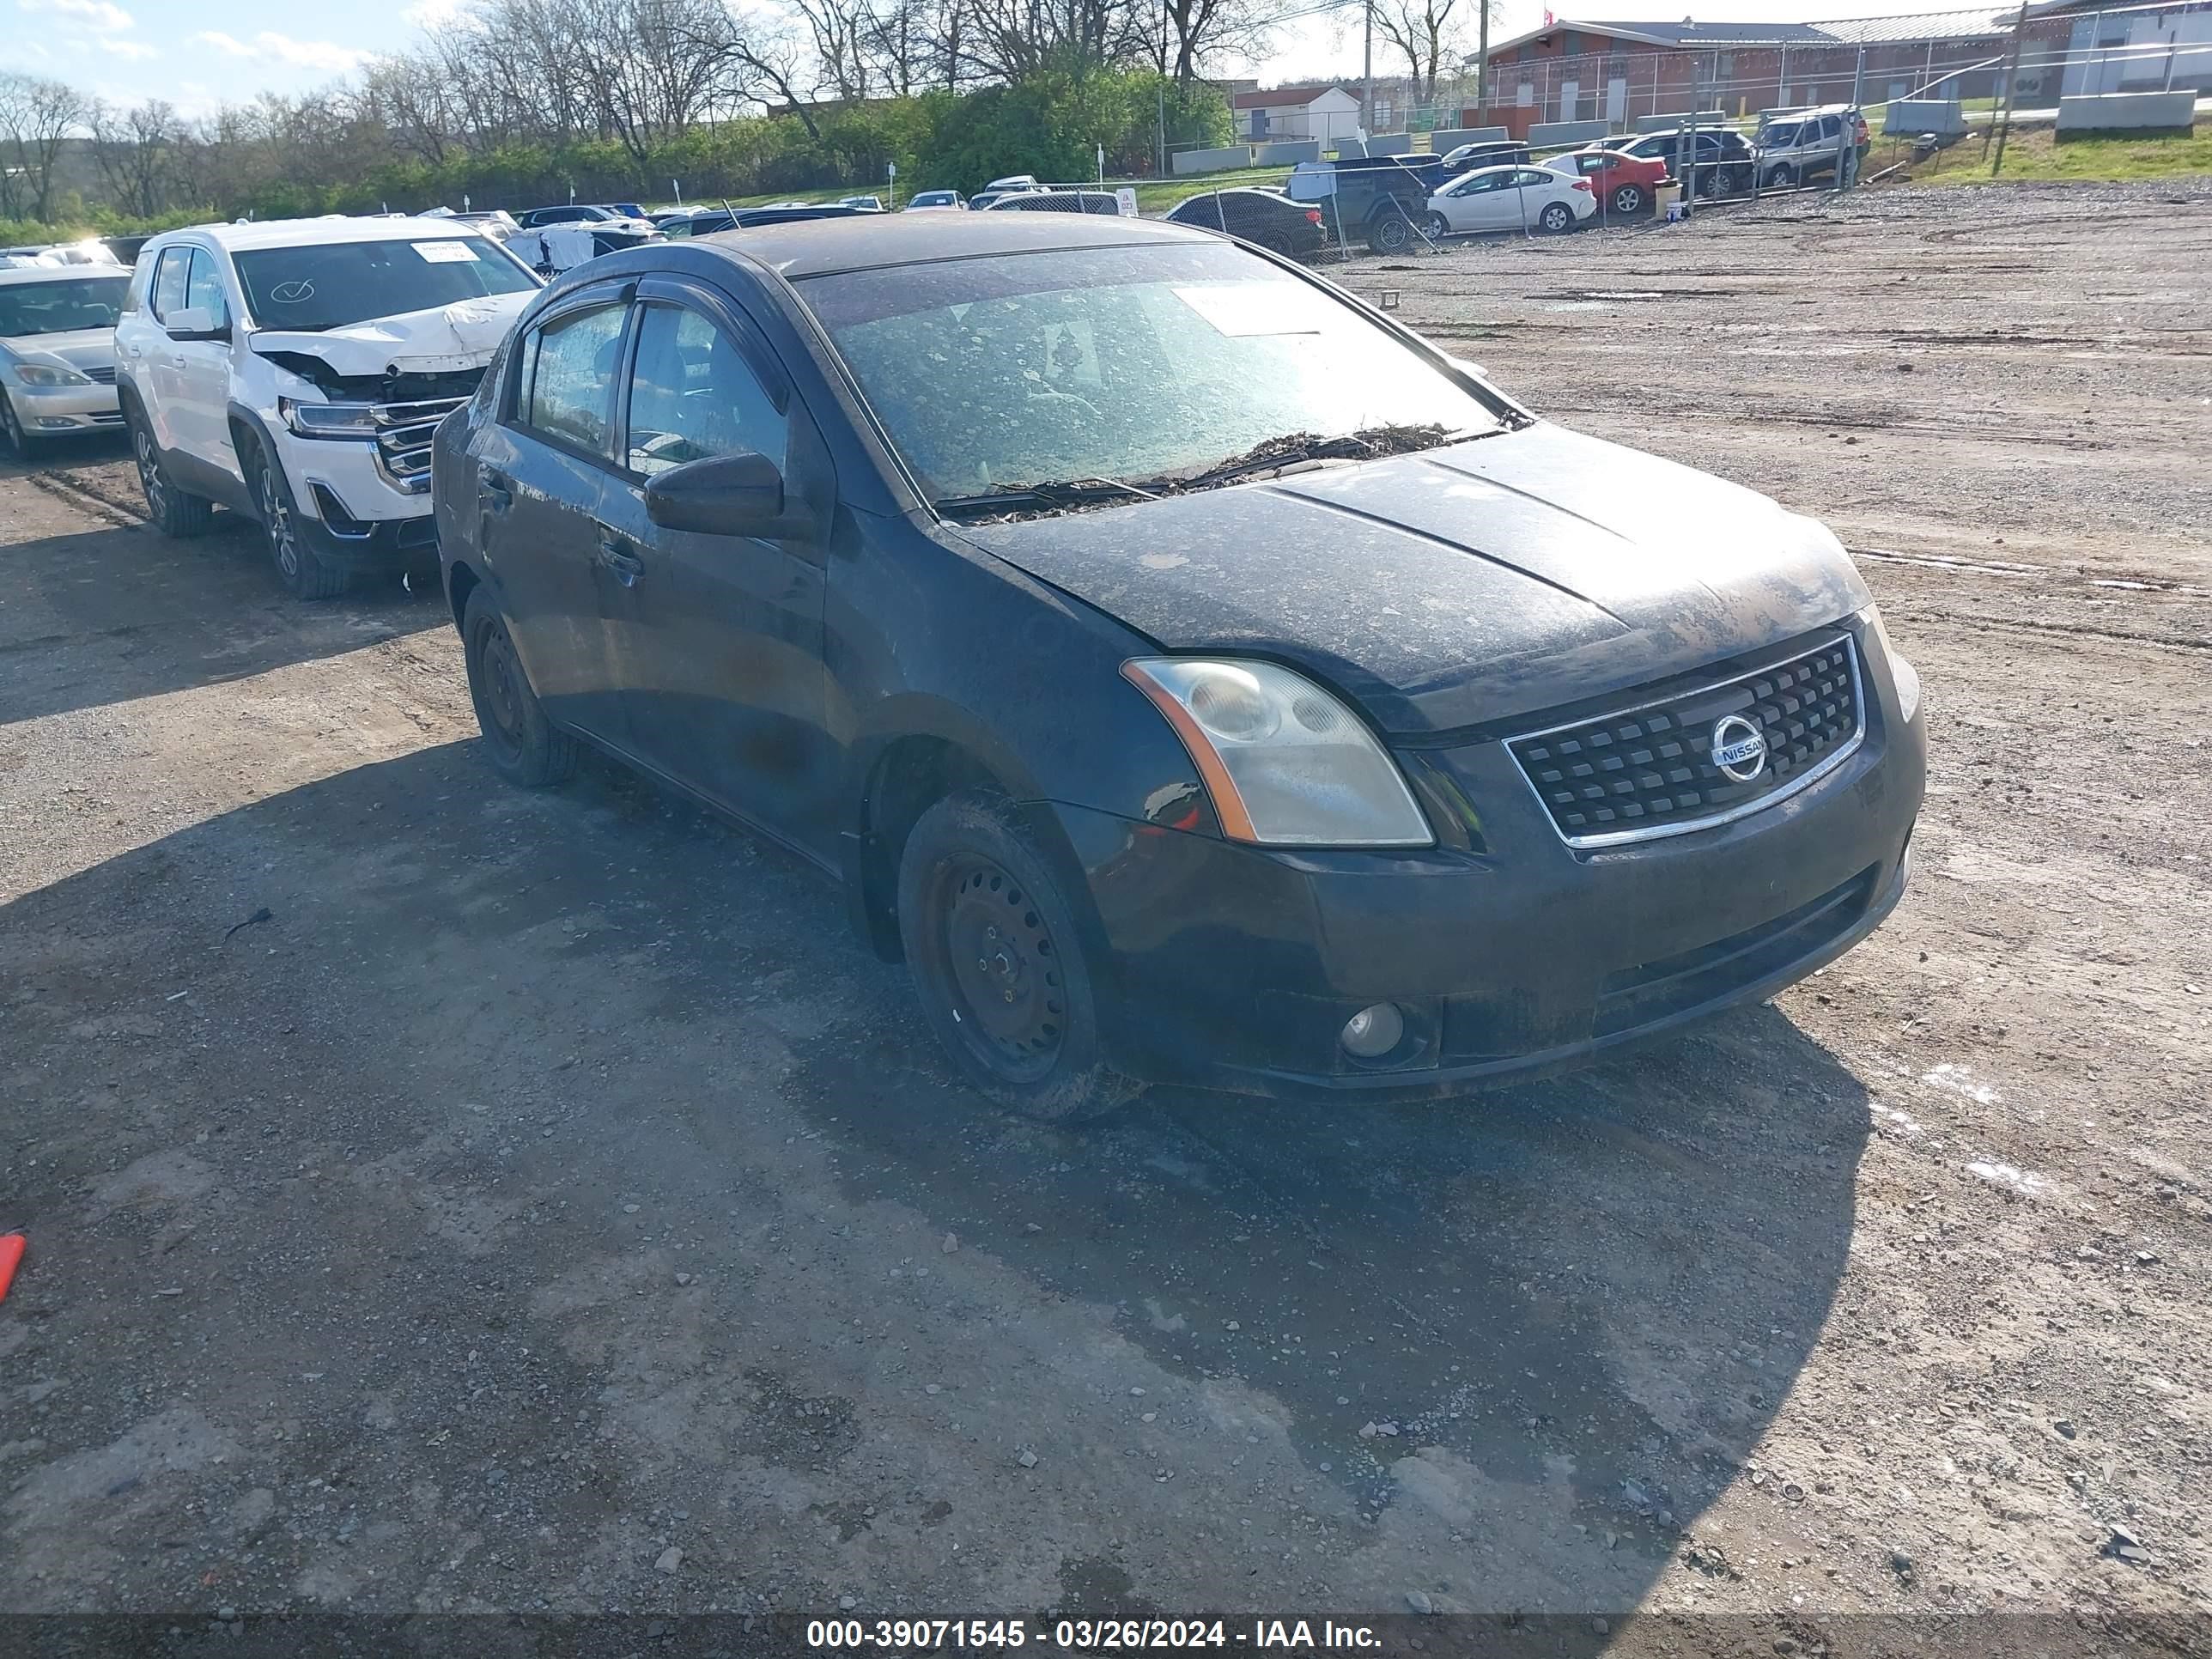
point(296, 370)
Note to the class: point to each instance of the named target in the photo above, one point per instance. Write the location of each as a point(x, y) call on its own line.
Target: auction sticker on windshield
point(444, 253)
point(1242, 309)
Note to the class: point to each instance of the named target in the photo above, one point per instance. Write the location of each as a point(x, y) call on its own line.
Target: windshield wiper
point(1296, 448)
point(1055, 496)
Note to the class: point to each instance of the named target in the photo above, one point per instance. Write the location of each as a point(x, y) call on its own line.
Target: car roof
point(319, 232)
point(867, 241)
point(12, 275)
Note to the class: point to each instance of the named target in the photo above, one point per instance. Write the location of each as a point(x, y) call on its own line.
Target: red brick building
point(1573, 70)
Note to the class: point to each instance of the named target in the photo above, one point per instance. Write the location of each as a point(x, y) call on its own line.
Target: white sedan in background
point(1509, 198)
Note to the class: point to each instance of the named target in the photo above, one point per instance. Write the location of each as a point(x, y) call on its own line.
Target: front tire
point(15, 444)
point(525, 748)
point(998, 966)
point(1436, 227)
point(305, 572)
point(1557, 218)
point(1783, 177)
point(174, 513)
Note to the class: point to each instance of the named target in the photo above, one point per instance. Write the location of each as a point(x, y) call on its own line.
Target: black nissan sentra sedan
point(1190, 672)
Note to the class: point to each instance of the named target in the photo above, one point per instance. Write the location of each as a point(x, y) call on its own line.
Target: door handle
point(495, 487)
point(624, 566)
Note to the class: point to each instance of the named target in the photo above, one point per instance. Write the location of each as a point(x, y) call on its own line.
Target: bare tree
point(1427, 33)
point(135, 150)
point(36, 118)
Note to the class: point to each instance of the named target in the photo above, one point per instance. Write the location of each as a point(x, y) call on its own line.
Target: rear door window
point(569, 378)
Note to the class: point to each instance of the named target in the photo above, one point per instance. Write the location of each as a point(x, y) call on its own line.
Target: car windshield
point(1783, 134)
point(1119, 363)
point(335, 284)
point(57, 308)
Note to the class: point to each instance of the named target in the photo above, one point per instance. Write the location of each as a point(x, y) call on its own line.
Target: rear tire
point(997, 964)
point(1391, 233)
point(304, 572)
point(1629, 200)
point(525, 748)
point(1557, 217)
point(174, 513)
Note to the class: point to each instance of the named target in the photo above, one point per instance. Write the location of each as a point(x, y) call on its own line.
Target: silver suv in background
point(295, 370)
point(1796, 146)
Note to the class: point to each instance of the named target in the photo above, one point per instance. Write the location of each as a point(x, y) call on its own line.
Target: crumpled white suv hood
point(439, 341)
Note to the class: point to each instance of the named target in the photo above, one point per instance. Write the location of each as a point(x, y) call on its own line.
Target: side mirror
point(739, 495)
point(195, 322)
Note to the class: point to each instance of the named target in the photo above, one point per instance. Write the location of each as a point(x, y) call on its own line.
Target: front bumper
point(1233, 966)
point(350, 511)
point(57, 411)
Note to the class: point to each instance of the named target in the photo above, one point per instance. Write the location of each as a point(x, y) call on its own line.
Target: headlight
point(52, 372)
point(1287, 764)
point(1907, 677)
point(328, 420)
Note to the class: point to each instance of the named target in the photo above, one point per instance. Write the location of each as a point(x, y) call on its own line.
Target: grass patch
point(2036, 153)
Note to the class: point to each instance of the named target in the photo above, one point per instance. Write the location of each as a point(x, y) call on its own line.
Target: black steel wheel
point(525, 748)
point(998, 962)
point(1013, 1001)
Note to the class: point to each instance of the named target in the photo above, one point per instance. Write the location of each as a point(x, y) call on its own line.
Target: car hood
point(439, 341)
point(80, 347)
point(1459, 586)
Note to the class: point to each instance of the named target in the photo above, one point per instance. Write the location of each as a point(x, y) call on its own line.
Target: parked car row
point(1021, 575)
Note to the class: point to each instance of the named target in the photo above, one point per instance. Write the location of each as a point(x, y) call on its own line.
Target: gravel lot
point(549, 1207)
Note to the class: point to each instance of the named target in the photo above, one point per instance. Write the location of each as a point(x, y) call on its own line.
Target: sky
point(200, 53)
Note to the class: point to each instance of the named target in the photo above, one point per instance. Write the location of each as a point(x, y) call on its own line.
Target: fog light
point(1374, 1032)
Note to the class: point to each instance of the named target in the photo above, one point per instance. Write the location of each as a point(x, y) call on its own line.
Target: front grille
point(403, 439)
point(104, 376)
point(1648, 770)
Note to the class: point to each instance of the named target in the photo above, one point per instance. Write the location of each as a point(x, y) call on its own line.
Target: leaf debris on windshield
point(1038, 501)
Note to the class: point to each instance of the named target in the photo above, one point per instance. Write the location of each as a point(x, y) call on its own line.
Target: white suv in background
point(295, 371)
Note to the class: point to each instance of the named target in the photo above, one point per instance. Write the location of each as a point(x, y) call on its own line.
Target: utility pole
point(1367, 77)
point(2012, 83)
point(1482, 67)
point(1162, 171)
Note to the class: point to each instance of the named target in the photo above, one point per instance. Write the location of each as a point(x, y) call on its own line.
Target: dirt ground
point(550, 1206)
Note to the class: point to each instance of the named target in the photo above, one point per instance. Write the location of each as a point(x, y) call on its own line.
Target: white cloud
point(269, 47)
point(136, 51)
point(98, 15)
point(433, 14)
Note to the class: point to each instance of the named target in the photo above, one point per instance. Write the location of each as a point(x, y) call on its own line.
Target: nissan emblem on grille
point(1739, 748)
point(1696, 755)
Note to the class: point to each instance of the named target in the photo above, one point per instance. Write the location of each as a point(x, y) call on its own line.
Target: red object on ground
point(11, 1252)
